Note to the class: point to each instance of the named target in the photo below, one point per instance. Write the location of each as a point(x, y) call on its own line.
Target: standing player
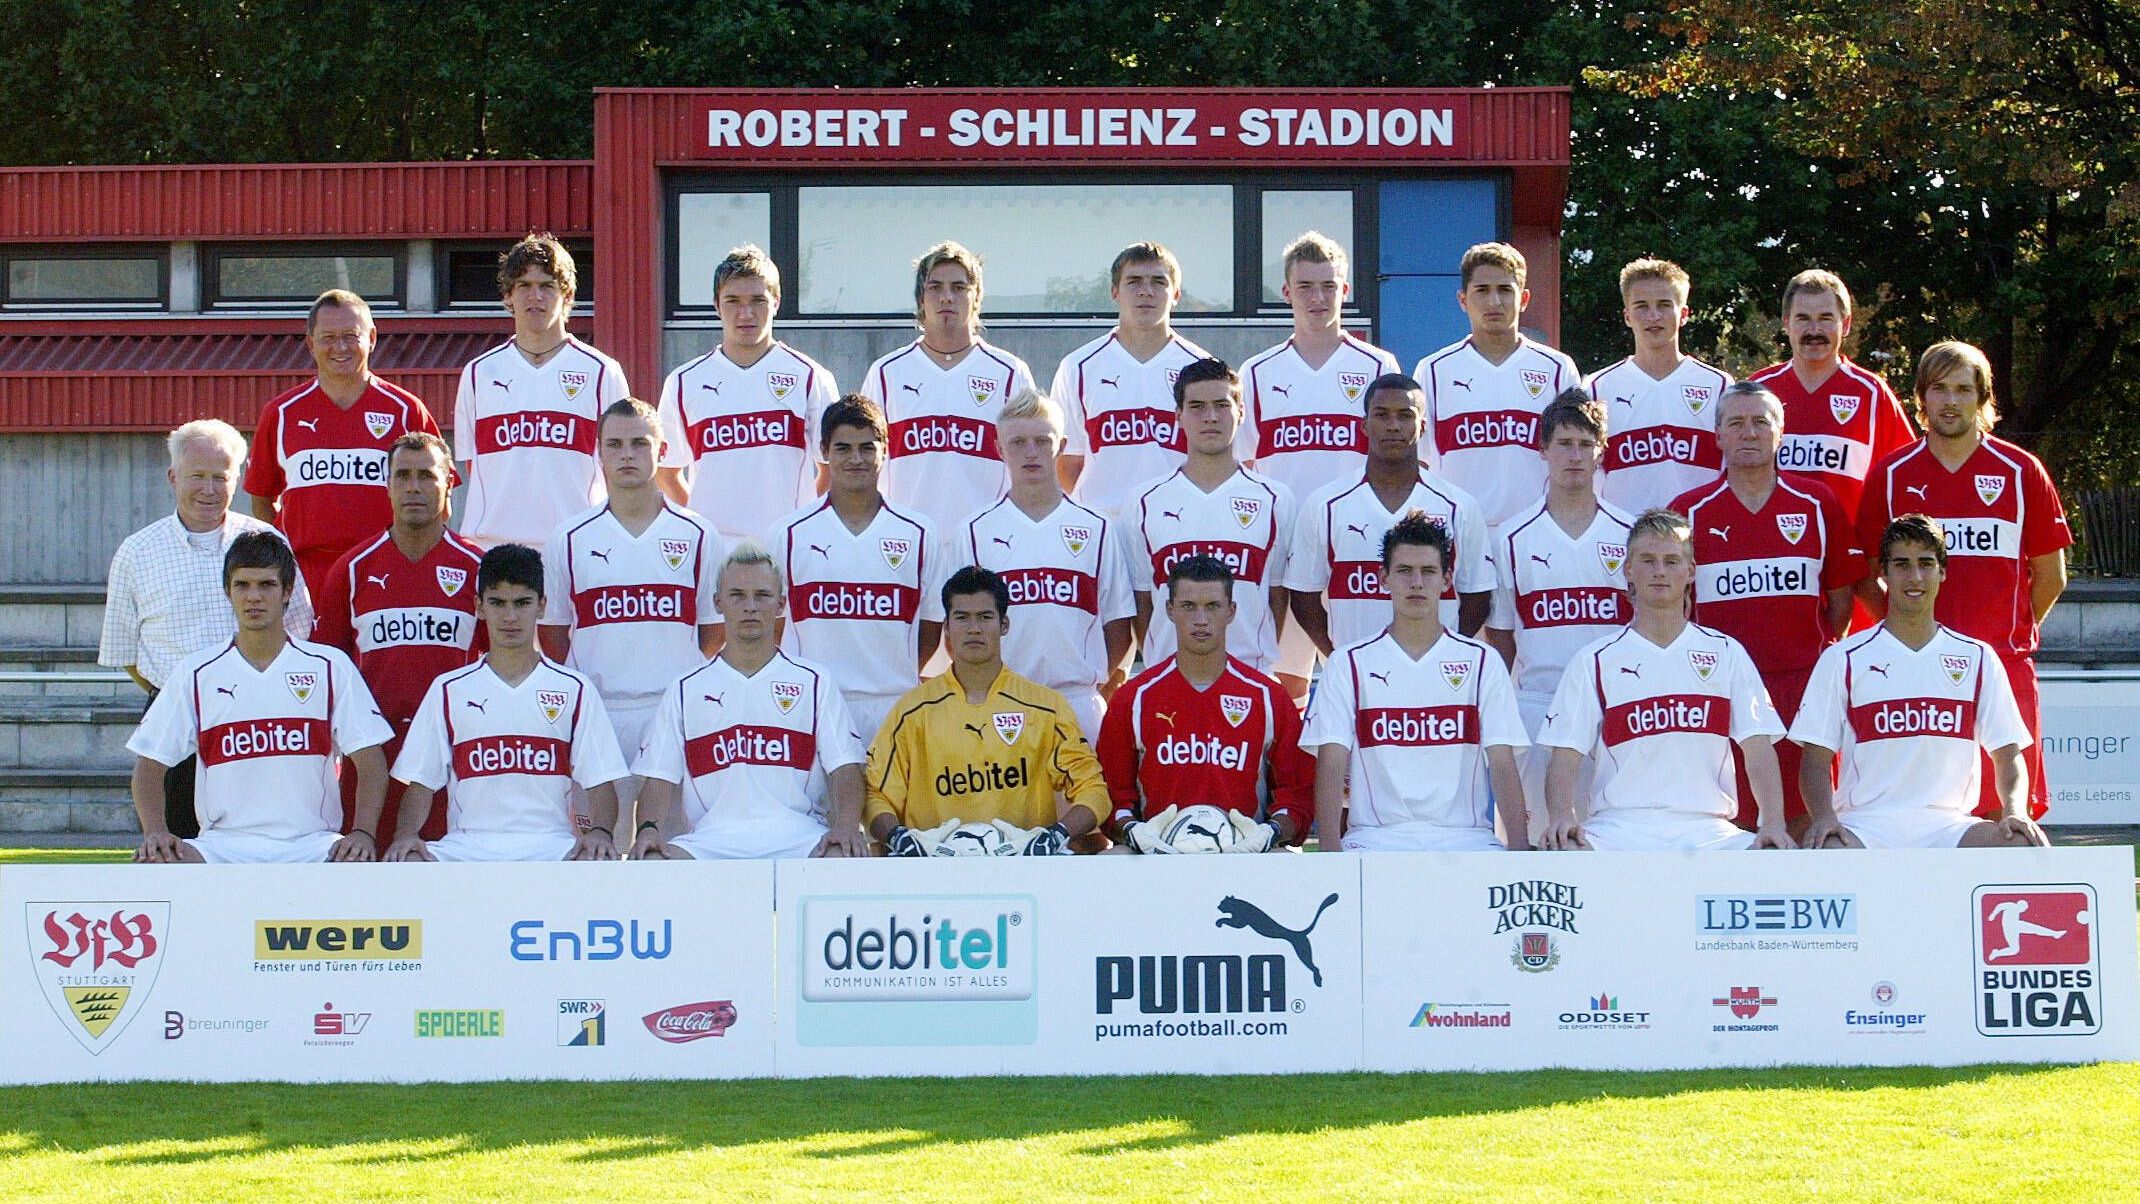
point(1559, 574)
point(2005, 529)
point(940, 395)
point(1485, 394)
point(1658, 706)
point(401, 605)
point(1337, 544)
point(507, 739)
point(736, 421)
point(1419, 718)
point(1117, 392)
point(1212, 506)
point(759, 742)
point(862, 577)
point(1063, 564)
point(1303, 399)
point(318, 467)
point(1661, 403)
point(1908, 705)
point(524, 418)
point(629, 584)
point(1203, 728)
point(1774, 562)
point(268, 716)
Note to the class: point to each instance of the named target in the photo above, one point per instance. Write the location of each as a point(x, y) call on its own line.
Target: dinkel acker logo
point(2038, 967)
point(1538, 912)
point(1769, 923)
point(1221, 984)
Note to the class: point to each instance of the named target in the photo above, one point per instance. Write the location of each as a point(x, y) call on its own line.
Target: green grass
point(1970, 1134)
point(64, 856)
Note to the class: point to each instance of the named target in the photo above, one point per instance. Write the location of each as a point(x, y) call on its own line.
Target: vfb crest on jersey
point(572, 383)
point(1075, 538)
point(1612, 556)
point(1010, 725)
point(1353, 384)
point(552, 703)
point(1844, 406)
point(895, 551)
point(674, 551)
point(1535, 381)
point(781, 384)
point(1696, 396)
point(1957, 667)
point(786, 694)
point(451, 580)
point(301, 685)
point(1989, 486)
point(1235, 707)
point(1456, 673)
point(982, 388)
point(1791, 526)
point(96, 963)
point(377, 423)
point(1704, 664)
point(1245, 510)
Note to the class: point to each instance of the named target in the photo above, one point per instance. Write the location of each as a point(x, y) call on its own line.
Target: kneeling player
point(758, 741)
point(1201, 727)
point(1414, 715)
point(268, 716)
point(507, 738)
point(980, 743)
point(1907, 704)
point(1658, 706)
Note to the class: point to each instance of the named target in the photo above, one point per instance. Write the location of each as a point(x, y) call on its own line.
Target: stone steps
point(66, 801)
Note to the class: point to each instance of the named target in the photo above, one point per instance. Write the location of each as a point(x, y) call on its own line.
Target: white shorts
point(1532, 762)
point(502, 846)
point(1421, 838)
point(247, 848)
point(1296, 652)
point(738, 842)
point(1090, 711)
point(628, 718)
point(868, 711)
point(1649, 830)
point(1909, 827)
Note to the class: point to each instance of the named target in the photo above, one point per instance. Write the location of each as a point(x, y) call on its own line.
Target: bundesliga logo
point(2037, 966)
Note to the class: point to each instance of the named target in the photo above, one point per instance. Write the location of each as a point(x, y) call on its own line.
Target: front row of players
point(1411, 741)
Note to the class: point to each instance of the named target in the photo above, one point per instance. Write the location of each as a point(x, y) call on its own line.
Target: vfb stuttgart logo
point(96, 963)
point(2038, 967)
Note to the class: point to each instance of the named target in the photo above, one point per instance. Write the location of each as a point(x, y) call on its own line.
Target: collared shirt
point(164, 598)
point(939, 756)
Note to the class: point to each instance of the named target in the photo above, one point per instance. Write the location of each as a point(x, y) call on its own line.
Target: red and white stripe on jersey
point(404, 621)
point(1762, 578)
point(508, 755)
point(1558, 594)
point(1482, 420)
point(1906, 722)
point(750, 747)
point(1998, 510)
point(1662, 439)
point(1836, 431)
point(634, 604)
point(942, 461)
point(1068, 579)
point(1119, 414)
point(327, 465)
point(750, 434)
point(1235, 745)
point(1301, 425)
point(267, 739)
point(1661, 722)
point(856, 602)
point(529, 435)
point(1337, 551)
point(1245, 523)
point(1417, 730)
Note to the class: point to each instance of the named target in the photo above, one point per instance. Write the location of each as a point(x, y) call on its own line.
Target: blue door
point(1425, 227)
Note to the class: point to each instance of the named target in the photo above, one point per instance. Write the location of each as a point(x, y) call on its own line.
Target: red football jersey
point(404, 622)
point(1836, 431)
point(1235, 745)
point(1761, 578)
point(1999, 509)
point(328, 466)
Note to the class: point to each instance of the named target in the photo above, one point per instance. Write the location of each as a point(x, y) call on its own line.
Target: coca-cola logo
point(687, 1022)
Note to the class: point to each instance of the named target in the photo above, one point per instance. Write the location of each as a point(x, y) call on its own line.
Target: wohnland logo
point(1771, 923)
point(1463, 1015)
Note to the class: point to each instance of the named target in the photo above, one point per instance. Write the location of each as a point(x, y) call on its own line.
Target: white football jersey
point(1907, 724)
point(1068, 578)
point(856, 602)
point(1301, 425)
point(1661, 434)
point(752, 751)
point(1660, 723)
point(267, 738)
point(507, 756)
point(1482, 420)
point(942, 463)
point(634, 604)
point(1417, 730)
point(750, 435)
point(1246, 522)
point(528, 436)
point(1556, 593)
point(1337, 551)
point(1119, 413)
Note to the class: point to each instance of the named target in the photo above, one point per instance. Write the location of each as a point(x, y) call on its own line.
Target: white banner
point(2091, 745)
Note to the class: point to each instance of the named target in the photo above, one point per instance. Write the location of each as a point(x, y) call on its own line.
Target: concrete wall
point(68, 499)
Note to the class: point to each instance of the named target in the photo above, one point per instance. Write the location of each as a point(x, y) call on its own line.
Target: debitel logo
point(918, 947)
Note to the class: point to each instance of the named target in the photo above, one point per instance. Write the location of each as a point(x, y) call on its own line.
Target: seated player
point(757, 743)
point(1658, 706)
point(507, 738)
point(268, 716)
point(1907, 704)
point(1420, 717)
point(980, 743)
point(1202, 727)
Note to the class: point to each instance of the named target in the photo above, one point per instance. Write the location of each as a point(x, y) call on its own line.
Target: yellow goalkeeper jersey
point(938, 756)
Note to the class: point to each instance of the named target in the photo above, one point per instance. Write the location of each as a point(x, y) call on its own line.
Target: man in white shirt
point(1662, 403)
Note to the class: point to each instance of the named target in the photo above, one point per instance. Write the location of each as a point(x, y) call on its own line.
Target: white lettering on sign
point(805, 127)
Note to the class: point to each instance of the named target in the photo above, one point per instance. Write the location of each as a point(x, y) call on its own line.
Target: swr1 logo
point(2037, 966)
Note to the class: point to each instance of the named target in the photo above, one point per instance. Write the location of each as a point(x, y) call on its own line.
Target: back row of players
point(950, 458)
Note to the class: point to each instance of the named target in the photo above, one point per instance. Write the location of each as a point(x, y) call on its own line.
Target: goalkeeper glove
point(903, 842)
point(1149, 835)
point(1251, 836)
point(1051, 841)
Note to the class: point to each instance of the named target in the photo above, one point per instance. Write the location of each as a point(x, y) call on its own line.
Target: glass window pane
point(83, 280)
point(1288, 215)
point(472, 273)
point(1043, 248)
point(303, 277)
point(708, 226)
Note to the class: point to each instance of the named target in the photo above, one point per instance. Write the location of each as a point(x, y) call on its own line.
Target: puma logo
point(1465, 385)
point(502, 384)
point(976, 730)
point(1173, 514)
point(1623, 401)
point(1919, 490)
point(821, 550)
point(310, 424)
point(601, 555)
point(1213, 833)
point(227, 692)
point(1721, 532)
point(1634, 671)
point(1359, 529)
point(999, 539)
point(713, 389)
point(1240, 913)
point(1546, 560)
point(914, 389)
point(1384, 678)
point(473, 705)
point(380, 580)
point(1166, 715)
point(1879, 669)
point(1282, 391)
point(1110, 381)
point(715, 699)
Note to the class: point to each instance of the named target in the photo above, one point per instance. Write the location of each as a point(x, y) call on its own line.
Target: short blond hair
point(748, 262)
point(1493, 255)
point(939, 255)
point(1941, 358)
point(1314, 247)
point(745, 553)
point(1032, 403)
point(1661, 521)
point(1656, 269)
point(221, 434)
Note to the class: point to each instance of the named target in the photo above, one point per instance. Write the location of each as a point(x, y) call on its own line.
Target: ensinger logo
point(917, 948)
point(2037, 962)
point(595, 941)
point(338, 940)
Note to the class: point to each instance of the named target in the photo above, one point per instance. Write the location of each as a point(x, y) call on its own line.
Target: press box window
point(708, 226)
point(298, 275)
point(1289, 214)
point(468, 274)
point(75, 280)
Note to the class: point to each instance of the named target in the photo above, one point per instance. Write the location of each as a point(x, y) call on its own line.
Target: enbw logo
point(1733, 914)
point(597, 941)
